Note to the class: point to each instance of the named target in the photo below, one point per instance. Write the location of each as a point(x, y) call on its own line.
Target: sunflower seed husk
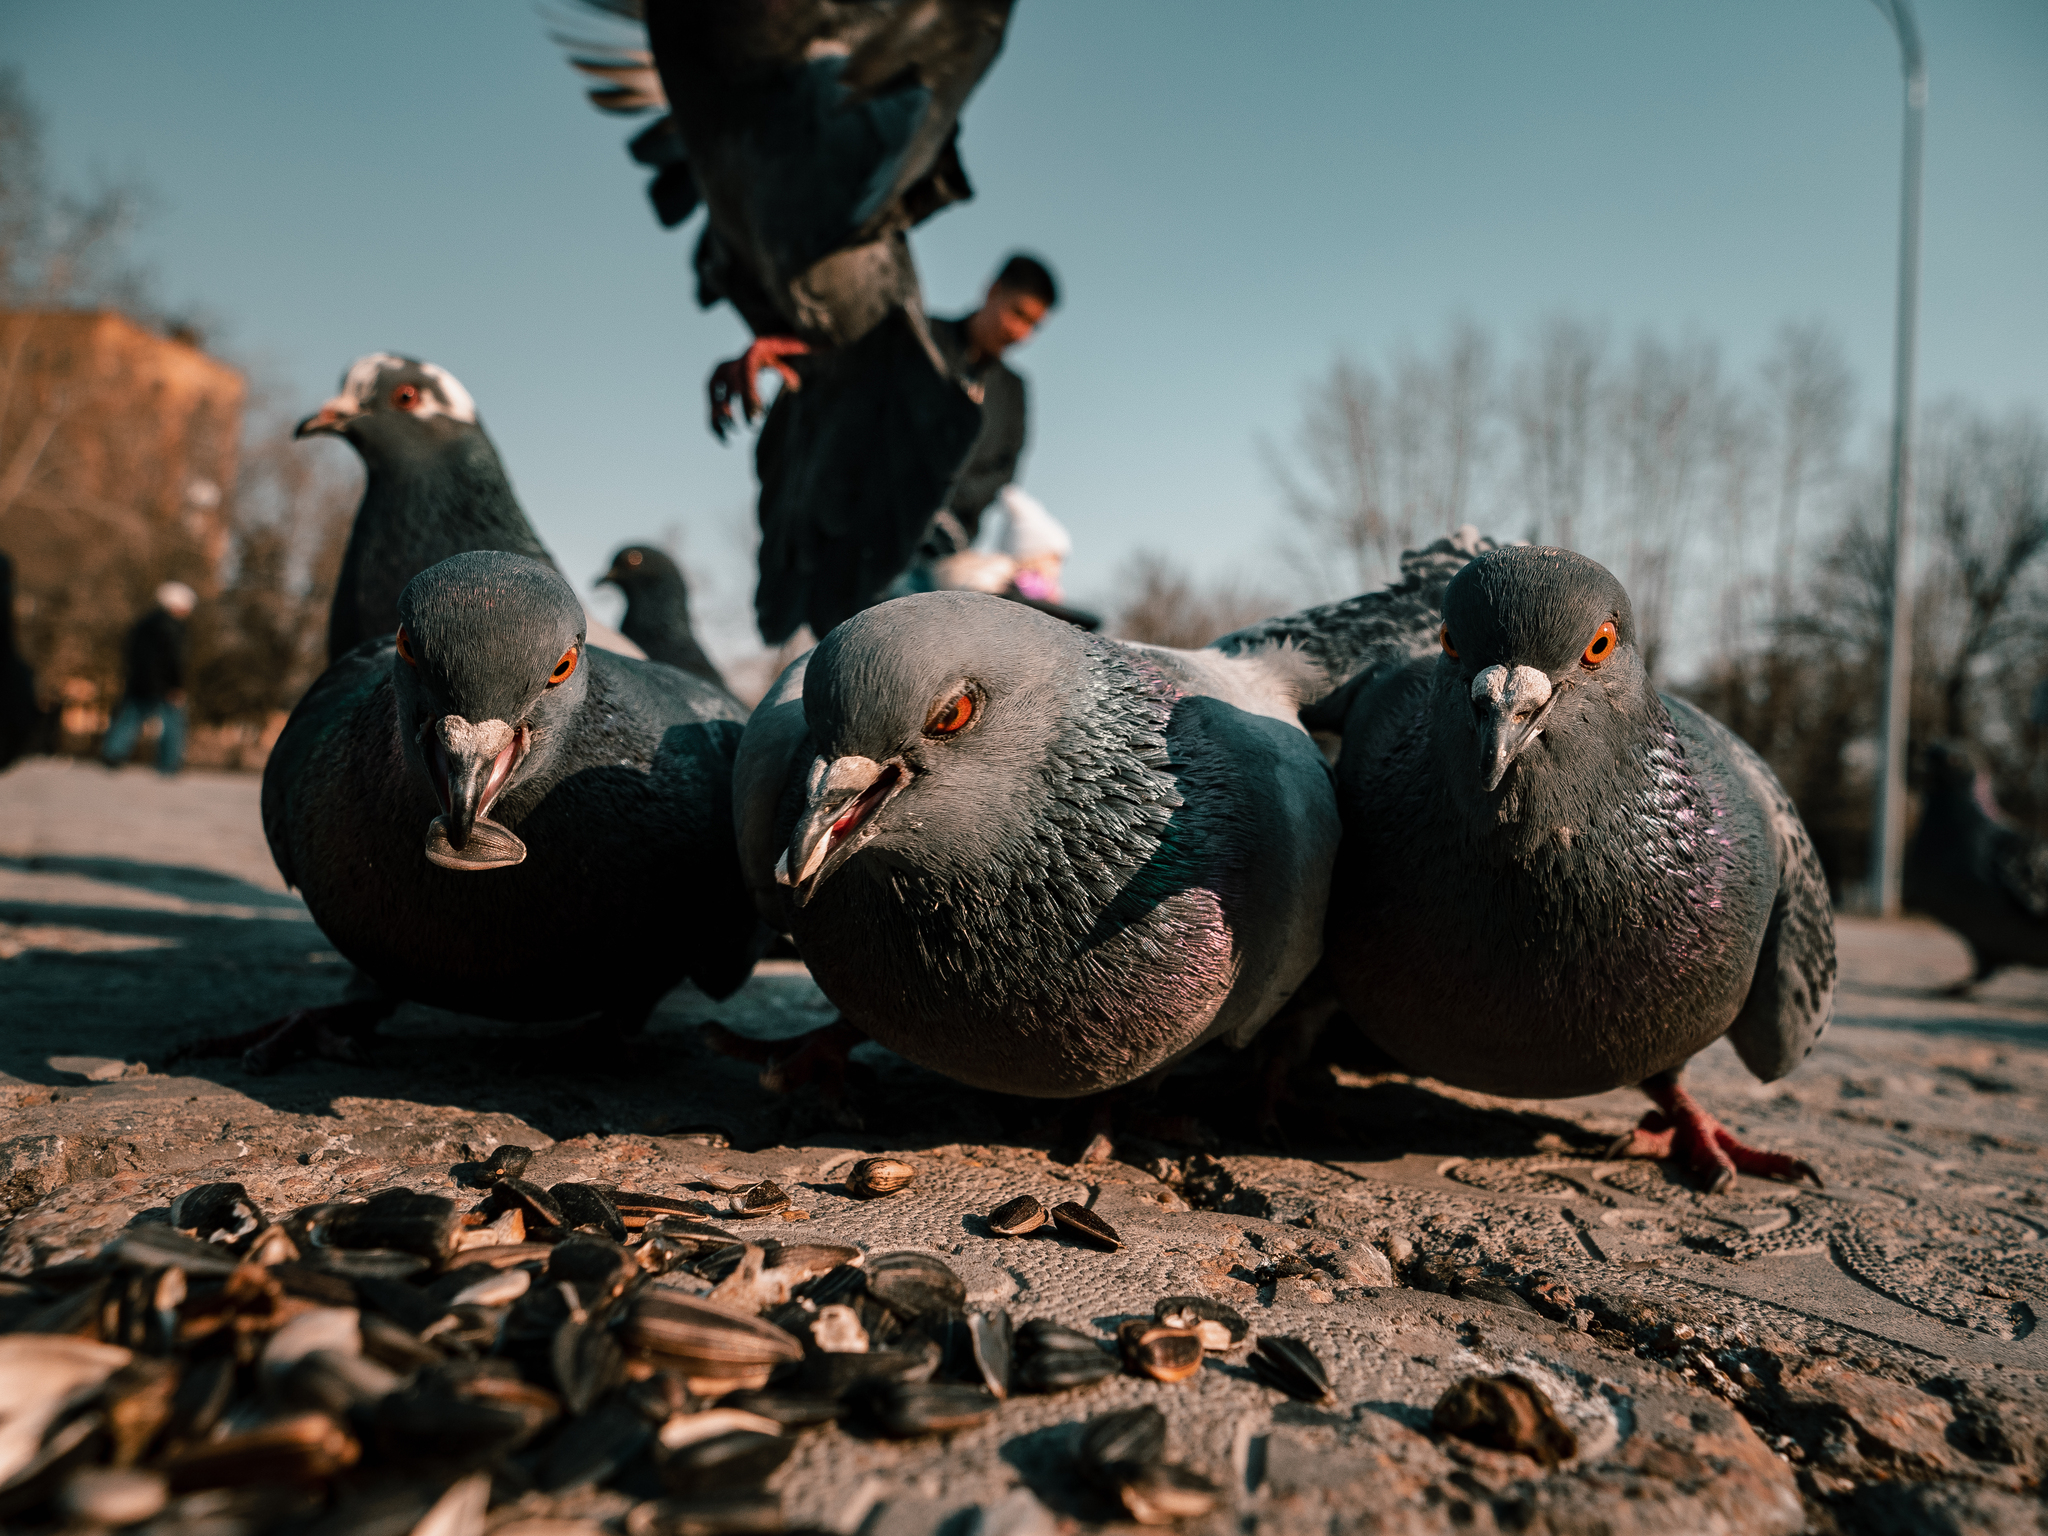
point(586, 1362)
point(507, 1230)
point(844, 1283)
point(336, 1384)
point(714, 1349)
point(1165, 1354)
point(1292, 1367)
point(273, 1245)
point(804, 1262)
point(591, 1448)
point(757, 1200)
point(833, 1375)
point(1052, 1358)
point(461, 1410)
point(357, 1264)
point(736, 1459)
point(1161, 1493)
point(1083, 1223)
point(1509, 1413)
point(748, 1512)
point(792, 1410)
point(106, 1497)
point(405, 1305)
point(681, 1429)
point(584, 1259)
point(903, 1409)
point(1013, 1218)
point(1127, 1437)
point(306, 1448)
point(168, 1248)
point(394, 1219)
point(873, 1177)
point(495, 1288)
point(217, 1213)
point(637, 1210)
point(584, 1205)
point(995, 1350)
point(539, 1210)
point(336, 1329)
point(914, 1285)
point(507, 1162)
point(387, 1343)
point(837, 1331)
point(1219, 1326)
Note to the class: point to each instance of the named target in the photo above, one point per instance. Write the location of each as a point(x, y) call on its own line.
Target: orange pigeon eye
point(406, 396)
point(563, 668)
point(1444, 636)
point(1602, 645)
point(950, 716)
point(405, 648)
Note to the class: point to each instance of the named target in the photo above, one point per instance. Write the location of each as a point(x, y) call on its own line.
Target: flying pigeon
point(1969, 868)
point(1555, 882)
point(816, 135)
point(1031, 858)
point(433, 487)
point(20, 716)
point(485, 814)
point(658, 610)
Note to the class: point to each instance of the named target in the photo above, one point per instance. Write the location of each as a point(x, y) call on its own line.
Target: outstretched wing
point(1333, 649)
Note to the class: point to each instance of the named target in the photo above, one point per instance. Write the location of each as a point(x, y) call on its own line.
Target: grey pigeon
point(433, 487)
point(1556, 882)
point(658, 610)
point(1968, 868)
point(21, 718)
point(1034, 859)
point(485, 814)
point(816, 134)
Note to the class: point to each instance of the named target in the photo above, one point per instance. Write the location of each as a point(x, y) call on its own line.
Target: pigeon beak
point(331, 420)
point(842, 797)
point(471, 764)
point(1508, 706)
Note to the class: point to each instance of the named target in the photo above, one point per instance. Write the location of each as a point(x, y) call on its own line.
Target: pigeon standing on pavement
point(1041, 861)
point(1971, 870)
point(658, 610)
point(816, 136)
point(20, 717)
point(487, 815)
point(433, 487)
point(1555, 882)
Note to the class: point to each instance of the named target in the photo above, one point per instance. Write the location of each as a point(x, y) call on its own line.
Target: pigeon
point(1554, 881)
point(433, 487)
point(20, 716)
point(816, 134)
point(1035, 859)
point(658, 610)
point(1969, 868)
point(485, 814)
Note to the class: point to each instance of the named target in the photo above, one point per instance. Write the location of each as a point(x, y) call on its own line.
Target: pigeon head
point(489, 673)
point(638, 568)
point(393, 407)
point(931, 714)
point(1540, 673)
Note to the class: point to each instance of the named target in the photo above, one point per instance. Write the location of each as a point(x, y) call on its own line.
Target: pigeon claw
point(1681, 1127)
point(733, 381)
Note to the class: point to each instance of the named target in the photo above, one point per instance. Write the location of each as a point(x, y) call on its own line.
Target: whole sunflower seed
point(582, 1205)
point(217, 1213)
point(762, 1199)
point(1127, 1437)
point(995, 1350)
point(721, 1349)
point(541, 1212)
point(399, 1219)
point(307, 1448)
point(1052, 1358)
point(914, 1285)
point(903, 1409)
point(1509, 1413)
point(792, 1410)
point(1292, 1367)
point(1086, 1225)
point(1013, 1218)
point(1161, 1493)
point(507, 1162)
point(915, 1358)
point(875, 1176)
point(1152, 1349)
point(1219, 1326)
point(736, 1459)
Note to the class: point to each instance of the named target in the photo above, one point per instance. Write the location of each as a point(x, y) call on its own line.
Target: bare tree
point(1164, 605)
point(1810, 395)
point(1554, 395)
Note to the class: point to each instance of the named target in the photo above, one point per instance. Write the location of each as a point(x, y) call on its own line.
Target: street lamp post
point(1888, 831)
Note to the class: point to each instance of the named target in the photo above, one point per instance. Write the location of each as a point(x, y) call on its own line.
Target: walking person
point(155, 657)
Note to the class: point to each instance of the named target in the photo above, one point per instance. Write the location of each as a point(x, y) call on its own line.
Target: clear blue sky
point(1231, 193)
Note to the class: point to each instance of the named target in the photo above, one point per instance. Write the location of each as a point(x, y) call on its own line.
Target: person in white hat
point(155, 654)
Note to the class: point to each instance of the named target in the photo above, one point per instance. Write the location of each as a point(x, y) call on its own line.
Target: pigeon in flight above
point(433, 487)
point(1555, 882)
point(658, 610)
point(1968, 868)
point(816, 133)
point(485, 814)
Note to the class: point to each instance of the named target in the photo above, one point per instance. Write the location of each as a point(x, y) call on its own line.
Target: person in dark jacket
point(1018, 301)
point(155, 656)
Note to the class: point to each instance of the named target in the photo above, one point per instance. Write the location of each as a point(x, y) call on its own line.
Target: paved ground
point(1864, 1358)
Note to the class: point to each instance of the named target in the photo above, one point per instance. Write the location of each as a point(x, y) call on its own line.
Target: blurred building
point(118, 449)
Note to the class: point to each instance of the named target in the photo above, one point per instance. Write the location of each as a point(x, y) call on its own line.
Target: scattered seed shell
point(1150, 1348)
point(1220, 1327)
point(507, 1162)
point(762, 1199)
point(904, 1409)
point(1292, 1367)
point(1127, 1437)
point(873, 1177)
point(1013, 1218)
point(1508, 1413)
point(914, 1285)
point(994, 1345)
point(1161, 1493)
point(1083, 1223)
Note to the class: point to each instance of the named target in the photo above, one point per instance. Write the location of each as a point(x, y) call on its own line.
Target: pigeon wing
point(326, 707)
point(1791, 997)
